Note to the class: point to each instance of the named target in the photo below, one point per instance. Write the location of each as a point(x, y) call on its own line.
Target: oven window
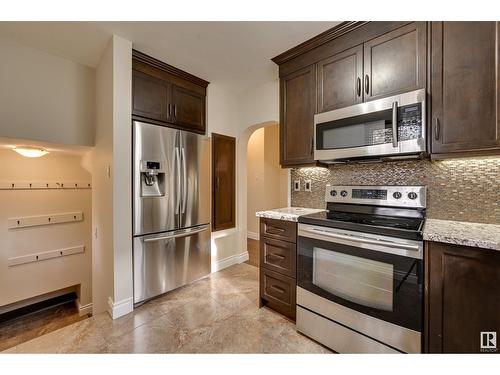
point(360, 280)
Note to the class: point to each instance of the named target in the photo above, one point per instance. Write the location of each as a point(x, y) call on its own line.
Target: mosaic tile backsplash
point(457, 189)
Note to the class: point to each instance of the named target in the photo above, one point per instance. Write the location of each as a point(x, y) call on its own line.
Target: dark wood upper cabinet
point(462, 297)
point(340, 80)
point(223, 182)
point(188, 108)
point(297, 108)
point(395, 62)
point(165, 95)
point(150, 96)
point(464, 88)
point(349, 64)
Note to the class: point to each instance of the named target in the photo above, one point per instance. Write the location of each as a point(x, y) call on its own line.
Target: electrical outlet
point(307, 185)
point(296, 185)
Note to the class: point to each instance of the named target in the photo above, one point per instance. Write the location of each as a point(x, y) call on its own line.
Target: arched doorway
point(265, 183)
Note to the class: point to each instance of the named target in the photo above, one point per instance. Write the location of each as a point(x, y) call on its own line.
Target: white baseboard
point(229, 261)
point(253, 235)
point(84, 309)
point(120, 308)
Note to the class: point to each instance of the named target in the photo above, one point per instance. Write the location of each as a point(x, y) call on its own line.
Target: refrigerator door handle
point(178, 182)
point(184, 180)
point(187, 233)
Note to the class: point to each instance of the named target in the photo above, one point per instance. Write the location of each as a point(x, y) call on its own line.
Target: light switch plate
point(307, 185)
point(296, 185)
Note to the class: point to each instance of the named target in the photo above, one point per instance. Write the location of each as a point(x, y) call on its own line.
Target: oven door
point(384, 127)
point(374, 275)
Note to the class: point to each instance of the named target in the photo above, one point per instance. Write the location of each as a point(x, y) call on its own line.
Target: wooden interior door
point(464, 87)
point(223, 182)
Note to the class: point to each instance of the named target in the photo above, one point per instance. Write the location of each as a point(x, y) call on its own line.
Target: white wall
point(45, 97)
point(102, 186)
point(122, 174)
point(222, 118)
point(30, 280)
point(239, 115)
point(112, 163)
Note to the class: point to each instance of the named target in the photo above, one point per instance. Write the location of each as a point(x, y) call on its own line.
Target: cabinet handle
point(312, 146)
point(358, 86)
point(175, 110)
point(367, 84)
point(274, 230)
point(278, 289)
point(169, 110)
point(271, 255)
point(437, 129)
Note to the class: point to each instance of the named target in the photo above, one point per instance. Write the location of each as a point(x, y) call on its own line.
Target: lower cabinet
point(278, 271)
point(462, 299)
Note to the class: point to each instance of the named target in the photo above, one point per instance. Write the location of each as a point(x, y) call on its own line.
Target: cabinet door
point(339, 80)
point(395, 62)
point(464, 87)
point(188, 109)
point(298, 104)
point(223, 182)
point(149, 96)
point(462, 297)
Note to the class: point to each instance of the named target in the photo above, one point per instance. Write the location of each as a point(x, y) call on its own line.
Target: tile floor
point(218, 314)
point(16, 331)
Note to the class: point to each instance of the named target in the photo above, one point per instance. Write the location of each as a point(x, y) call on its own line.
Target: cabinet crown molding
point(139, 56)
point(324, 37)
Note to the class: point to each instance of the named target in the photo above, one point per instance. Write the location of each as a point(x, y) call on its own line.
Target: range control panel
point(396, 196)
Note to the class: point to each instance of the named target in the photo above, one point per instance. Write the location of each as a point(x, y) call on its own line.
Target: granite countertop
point(287, 213)
point(486, 236)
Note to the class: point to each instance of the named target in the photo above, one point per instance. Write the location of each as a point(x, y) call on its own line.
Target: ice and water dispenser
point(152, 178)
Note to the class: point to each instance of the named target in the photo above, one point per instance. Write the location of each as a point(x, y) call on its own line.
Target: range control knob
point(412, 195)
point(333, 193)
point(397, 195)
point(343, 193)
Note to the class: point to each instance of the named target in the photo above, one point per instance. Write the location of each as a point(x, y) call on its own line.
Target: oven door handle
point(357, 240)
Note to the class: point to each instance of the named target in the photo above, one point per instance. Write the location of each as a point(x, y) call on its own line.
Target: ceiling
point(233, 54)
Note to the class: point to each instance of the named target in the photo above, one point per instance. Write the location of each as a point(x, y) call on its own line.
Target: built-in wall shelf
point(33, 221)
point(38, 257)
point(41, 185)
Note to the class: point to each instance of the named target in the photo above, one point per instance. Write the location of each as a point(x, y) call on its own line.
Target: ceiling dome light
point(30, 152)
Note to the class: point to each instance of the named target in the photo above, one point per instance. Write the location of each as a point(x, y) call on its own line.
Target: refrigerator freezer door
point(156, 154)
point(195, 179)
point(166, 261)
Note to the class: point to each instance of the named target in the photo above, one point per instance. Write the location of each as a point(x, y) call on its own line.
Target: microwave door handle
point(395, 124)
point(355, 239)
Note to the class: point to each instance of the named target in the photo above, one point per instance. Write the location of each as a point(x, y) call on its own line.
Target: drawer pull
point(275, 256)
point(278, 289)
point(274, 230)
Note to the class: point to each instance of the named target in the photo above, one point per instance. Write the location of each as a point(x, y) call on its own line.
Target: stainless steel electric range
point(360, 270)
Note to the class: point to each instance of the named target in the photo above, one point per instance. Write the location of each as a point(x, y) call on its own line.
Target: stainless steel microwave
point(391, 127)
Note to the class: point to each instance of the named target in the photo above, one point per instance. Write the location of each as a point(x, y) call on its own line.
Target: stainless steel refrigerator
point(171, 198)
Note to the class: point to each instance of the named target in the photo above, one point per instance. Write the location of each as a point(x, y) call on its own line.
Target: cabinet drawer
point(278, 292)
point(279, 229)
point(278, 256)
